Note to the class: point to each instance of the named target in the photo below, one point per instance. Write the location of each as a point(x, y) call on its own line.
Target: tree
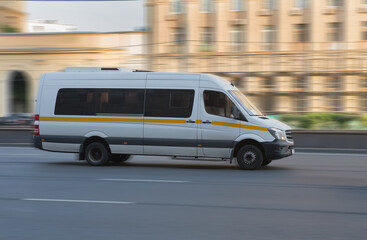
point(8, 29)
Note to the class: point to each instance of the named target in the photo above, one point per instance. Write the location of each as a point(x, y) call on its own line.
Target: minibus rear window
point(75, 102)
point(169, 103)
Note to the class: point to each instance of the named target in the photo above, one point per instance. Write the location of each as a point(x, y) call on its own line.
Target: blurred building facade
point(49, 26)
point(287, 55)
point(24, 57)
point(12, 16)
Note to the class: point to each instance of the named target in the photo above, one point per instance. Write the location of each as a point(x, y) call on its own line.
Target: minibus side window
point(169, 103)
point(217, 103)
point(75, 102)
point(120, 101)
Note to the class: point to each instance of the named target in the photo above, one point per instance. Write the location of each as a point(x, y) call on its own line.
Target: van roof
point(97, 74)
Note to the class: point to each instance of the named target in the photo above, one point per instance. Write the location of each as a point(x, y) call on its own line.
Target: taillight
point(36, 128)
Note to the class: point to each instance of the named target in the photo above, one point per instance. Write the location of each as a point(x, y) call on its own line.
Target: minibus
point(108, 114)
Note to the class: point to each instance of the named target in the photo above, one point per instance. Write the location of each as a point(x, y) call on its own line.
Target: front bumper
point(278, 149)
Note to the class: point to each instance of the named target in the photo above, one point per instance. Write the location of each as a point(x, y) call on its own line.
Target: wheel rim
point(95, 155)
point(249, 157)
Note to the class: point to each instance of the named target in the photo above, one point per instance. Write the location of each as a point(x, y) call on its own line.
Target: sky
point(96, 16)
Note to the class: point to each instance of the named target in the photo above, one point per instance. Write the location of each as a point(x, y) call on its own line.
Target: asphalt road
point(46, 195)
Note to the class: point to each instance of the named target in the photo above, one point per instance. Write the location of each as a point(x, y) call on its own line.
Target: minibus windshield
point(246, 103)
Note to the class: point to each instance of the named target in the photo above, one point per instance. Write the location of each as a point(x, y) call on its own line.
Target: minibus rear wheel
point(250, 157)
point(97, 154)
point(119, 158)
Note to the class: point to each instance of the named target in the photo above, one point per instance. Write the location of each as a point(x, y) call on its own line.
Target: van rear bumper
point(277, 149)
point(37, 142)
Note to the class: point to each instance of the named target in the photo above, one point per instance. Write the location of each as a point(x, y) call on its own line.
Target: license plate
point(292, 151)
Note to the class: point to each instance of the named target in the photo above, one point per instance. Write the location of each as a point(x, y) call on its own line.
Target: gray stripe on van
point(146, 142)
point(63, 139)
point(170, 142)
point(120, 141)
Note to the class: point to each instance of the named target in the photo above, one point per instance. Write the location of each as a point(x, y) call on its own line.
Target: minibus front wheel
point(97, 154)
point(250, 157)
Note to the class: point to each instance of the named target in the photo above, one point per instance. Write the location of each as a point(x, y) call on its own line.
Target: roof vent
point(97, 69)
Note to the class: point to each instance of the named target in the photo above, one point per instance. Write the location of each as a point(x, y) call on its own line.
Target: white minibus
point(107, 114)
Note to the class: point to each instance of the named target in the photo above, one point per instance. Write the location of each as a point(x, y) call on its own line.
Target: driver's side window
point(217, 103)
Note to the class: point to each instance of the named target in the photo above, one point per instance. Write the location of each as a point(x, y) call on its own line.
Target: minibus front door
point(219, 126)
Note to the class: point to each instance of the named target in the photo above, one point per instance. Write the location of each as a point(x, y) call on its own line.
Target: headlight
point(277, 133)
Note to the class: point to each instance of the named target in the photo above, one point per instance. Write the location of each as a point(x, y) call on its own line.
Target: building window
point(302, 103)
point(334, 102)
point(334, 32)
point(269, 4)
point(364, 103)
point(335, 3)
point(207, 6)
point(300, 4)
point(364, 83)
point(177, 6)
point(237, 5)
point(237, 38)
point(269, 37)
point(207, 36)
point(301, 33)
point(178, 36)
point(334, 84)
point(302, 84)
point(364, 31)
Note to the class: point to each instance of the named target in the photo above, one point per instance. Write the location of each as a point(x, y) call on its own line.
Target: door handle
point(190, 121)
point(207, 122)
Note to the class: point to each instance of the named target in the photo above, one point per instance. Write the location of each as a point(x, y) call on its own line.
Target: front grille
point(288, 134)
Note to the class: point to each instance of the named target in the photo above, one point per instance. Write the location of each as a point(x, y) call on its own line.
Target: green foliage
point(8, 29)
point(324, 121)
point(364, 120)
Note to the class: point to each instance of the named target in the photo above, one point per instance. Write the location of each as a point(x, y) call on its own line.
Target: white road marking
point(21, 154)
point(74, 201)
point(332, 154)
point(142, 180)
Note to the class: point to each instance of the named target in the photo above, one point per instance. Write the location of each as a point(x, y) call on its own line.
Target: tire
point(97, 154)
point(250, 157)
point(119, 158)
point(266, 162)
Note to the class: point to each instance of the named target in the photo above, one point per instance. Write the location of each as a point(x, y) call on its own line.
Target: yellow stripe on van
point(100, 119)
point(236, 125)
point(254, 128)
point(91, 119)
point(149, 120)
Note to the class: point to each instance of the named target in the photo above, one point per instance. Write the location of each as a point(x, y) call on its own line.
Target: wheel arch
point(250, 139)
point(89, 140)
